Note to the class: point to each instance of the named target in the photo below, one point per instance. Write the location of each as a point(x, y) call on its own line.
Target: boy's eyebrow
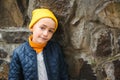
point(52, 28)
point(44, 25)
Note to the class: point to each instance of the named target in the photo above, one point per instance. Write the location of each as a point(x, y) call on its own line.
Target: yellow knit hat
point(37, 14)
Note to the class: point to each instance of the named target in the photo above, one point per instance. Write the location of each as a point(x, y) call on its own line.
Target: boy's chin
point(43, 42)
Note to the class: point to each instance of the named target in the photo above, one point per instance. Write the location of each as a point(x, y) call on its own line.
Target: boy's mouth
point(43, 38)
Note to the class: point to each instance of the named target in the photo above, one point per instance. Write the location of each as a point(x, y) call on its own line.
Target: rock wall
point(89, 32)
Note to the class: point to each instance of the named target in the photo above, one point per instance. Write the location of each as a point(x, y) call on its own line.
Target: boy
point(39, 58)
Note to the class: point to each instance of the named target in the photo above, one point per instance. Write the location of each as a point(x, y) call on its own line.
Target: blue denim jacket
point(23, 65)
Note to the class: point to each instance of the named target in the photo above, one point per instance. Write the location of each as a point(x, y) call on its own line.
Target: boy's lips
point(43, 38)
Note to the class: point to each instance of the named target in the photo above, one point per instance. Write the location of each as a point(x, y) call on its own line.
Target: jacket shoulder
point(23, 47)
point(53, 49)
point(53, 44)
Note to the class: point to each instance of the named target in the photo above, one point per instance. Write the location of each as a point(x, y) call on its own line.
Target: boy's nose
point(45, 33)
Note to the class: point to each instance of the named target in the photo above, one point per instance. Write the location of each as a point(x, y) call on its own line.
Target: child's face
point(43, 30)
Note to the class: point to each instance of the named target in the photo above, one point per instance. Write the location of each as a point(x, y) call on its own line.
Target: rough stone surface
point(4, 68)
point(10, 14)
point(89, 33)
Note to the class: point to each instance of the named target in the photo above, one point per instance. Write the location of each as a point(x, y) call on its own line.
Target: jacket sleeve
point(63, 67)
point(15, 70)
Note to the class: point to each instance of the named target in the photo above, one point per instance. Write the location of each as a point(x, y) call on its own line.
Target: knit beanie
point(38, 14)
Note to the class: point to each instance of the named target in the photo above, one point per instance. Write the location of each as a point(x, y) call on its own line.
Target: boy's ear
point(31, 29)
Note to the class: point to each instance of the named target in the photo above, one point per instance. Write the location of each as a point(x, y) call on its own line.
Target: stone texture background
point(89, 32)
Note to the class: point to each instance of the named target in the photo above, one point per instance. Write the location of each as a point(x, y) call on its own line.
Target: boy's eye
point(51, 31)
